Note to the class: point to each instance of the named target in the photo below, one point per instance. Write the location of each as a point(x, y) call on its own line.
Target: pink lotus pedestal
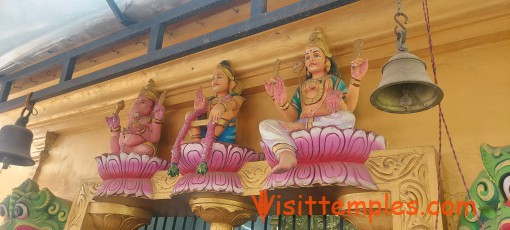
point(128, 174)
point(223, 164)
point(327, 156)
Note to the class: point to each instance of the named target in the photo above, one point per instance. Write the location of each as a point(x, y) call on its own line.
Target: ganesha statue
point(487, 205)
point(143, 130)
point(317, 144)
point(29, 208)
point(211, 152)
point(128, 169)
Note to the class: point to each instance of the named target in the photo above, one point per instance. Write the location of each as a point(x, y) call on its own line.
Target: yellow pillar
point(110, 216)
point(223, 214)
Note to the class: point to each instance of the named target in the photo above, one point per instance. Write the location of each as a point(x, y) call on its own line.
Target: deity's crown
point(149, 91)
point(317, 39)
point(227, 69)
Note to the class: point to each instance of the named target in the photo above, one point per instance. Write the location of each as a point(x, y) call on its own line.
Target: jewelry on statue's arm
point(355, 82)
point(285, 106)
point(115, 130)
point(156, 121)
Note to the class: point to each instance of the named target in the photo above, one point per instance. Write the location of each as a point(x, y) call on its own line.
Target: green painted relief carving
point(490, 192)
point(29, 208)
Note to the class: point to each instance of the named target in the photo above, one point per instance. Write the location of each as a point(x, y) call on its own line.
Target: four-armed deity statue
point(143, 130)
point(128, 169)
point(212, 126)
point(318, 127)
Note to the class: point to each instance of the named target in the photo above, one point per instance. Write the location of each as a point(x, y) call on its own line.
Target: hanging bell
point(405, 85)
point(15, 142)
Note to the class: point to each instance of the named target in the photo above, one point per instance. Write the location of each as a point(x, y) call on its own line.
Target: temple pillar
point(223, 214)
point(110, 216)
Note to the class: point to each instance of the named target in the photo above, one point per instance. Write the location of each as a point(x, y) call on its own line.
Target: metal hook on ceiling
point(91, 59)
point(400, 24)
point(115, 51)
point(32, 80)
point(140, 42)
point(49, 74)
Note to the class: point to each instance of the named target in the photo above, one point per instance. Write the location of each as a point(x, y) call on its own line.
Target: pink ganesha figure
point(143, 130)
point(322, 100)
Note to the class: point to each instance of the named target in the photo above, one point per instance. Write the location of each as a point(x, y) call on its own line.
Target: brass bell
point(405, 86)
point(15, 142)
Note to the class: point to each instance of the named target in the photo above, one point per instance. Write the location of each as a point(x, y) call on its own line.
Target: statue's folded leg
point(276, 137)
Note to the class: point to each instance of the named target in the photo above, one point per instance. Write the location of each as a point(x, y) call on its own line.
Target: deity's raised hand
point(269, 85)
point(200, 103)
point(113, 121)
point(359, 68)
point(159, 109)
point(280, 91)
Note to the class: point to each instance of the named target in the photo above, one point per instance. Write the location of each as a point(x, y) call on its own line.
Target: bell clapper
point(406, 101)
point(5, 164)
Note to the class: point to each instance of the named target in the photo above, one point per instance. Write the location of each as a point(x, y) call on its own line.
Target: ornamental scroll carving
point(409, 172)
point(163, 185)
point(253, 176)
point(79, 209)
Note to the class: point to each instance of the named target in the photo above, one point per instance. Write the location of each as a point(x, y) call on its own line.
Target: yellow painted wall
point(472, 62)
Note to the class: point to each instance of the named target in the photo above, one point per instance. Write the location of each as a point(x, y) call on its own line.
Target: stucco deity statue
point(212, 119)
point(323, 99)
point(143, 130)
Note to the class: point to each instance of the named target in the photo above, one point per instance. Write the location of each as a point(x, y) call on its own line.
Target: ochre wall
point(472, 53)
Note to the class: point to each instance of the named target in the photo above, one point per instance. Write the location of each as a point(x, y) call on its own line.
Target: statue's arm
point(153, 131)
point(359, 68)
point(277, 90)
point(351, 100)
point(289, 114)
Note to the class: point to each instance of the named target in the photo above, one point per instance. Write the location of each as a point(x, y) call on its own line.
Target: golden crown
point(317, 39)
point(149, 91)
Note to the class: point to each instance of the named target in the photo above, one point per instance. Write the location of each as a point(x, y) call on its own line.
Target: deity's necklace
point(312, 83)
point(222, 100)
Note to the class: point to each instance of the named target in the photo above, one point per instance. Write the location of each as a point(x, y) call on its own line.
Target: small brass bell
point(405, 85)
point(16, 140)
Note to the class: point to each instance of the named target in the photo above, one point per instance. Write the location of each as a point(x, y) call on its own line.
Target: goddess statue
point(213, 119)
point(143, 130)
point(322, 100)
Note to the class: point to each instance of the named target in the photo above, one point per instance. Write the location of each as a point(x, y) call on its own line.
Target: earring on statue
point(328, 66)
point(231, 87)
